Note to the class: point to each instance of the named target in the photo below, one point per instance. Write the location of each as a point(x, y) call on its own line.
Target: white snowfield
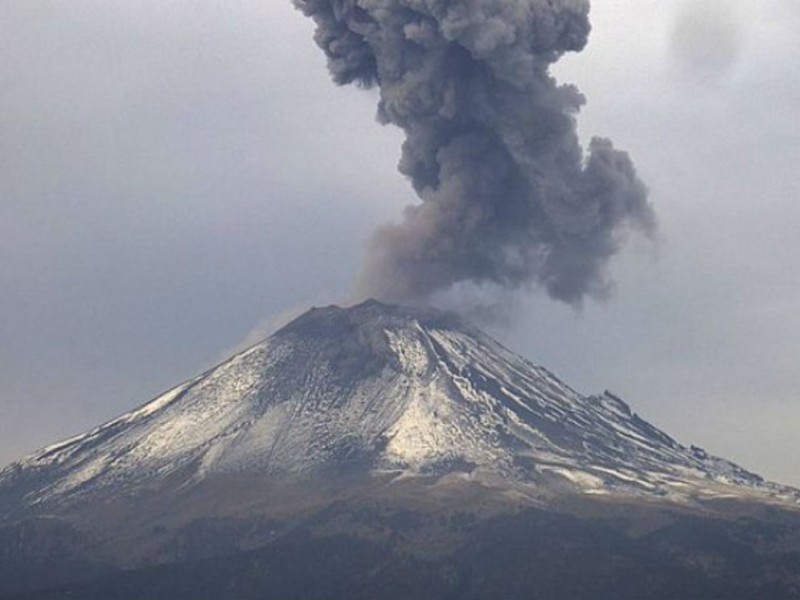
point(391, 390)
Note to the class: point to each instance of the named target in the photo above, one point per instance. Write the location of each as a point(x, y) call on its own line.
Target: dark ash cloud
point(509, 197)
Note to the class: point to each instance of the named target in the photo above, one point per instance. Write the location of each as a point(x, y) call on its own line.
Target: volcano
point(393, 452)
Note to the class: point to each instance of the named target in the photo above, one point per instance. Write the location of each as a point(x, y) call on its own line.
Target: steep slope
point(401, 441)
point(384, 390)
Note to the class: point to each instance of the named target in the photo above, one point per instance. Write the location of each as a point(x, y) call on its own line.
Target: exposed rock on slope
point(384, 390)
point(401, 430)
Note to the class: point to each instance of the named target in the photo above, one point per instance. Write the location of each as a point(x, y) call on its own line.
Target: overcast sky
point(174, 176)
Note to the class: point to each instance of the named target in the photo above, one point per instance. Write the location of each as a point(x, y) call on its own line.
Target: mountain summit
point(337, 416)
point(386, 390)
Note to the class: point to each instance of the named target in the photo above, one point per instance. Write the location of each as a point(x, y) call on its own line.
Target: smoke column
point(508, 196)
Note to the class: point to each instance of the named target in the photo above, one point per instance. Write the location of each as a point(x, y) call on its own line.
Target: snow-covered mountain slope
point(392, 392)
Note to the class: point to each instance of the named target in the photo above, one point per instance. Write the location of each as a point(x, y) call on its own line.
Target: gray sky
point(158, 203)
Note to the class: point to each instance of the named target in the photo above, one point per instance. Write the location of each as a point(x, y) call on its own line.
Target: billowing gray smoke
point(508, 196)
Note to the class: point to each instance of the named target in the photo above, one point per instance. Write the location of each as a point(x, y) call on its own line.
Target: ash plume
point(508, 196)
